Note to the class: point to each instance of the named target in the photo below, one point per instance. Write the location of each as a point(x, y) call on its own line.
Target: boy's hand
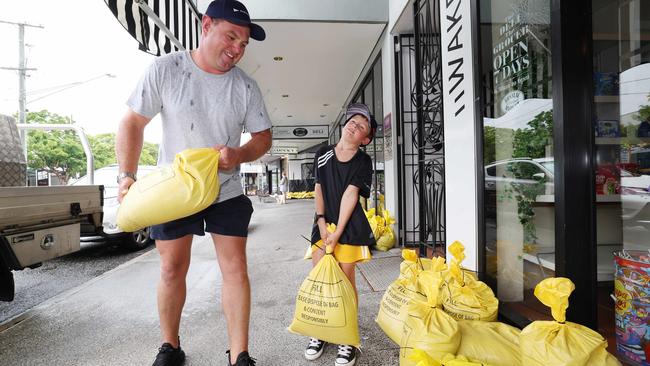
point(333, 239)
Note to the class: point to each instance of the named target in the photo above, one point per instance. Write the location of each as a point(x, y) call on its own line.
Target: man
point(204, 100)
point(284, 188)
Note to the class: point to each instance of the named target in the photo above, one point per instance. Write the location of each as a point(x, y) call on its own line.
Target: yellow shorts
point(345, 253)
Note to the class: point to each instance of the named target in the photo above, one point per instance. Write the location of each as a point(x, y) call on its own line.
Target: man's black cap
point(235, 12)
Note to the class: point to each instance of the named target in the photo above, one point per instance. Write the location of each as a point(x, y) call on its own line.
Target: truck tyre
point(7, 288)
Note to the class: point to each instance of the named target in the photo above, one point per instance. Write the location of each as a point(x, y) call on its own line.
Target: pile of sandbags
point(443, 316)
point(382, 230)
point(300, 195)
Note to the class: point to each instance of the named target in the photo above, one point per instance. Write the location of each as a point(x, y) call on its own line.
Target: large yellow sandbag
point(561, 343)
point(427, 327)
point(412, 264)
point(463, 297)
point(423, 359)
point(393, 309)
point(326, 307)
point(190, 185)
point(490, 342)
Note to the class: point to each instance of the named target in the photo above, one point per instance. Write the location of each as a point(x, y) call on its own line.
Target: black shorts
point(230, 217)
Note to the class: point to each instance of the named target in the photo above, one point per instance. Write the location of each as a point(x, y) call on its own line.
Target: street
point(34, 286)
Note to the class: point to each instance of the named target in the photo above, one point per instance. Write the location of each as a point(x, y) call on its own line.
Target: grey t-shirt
point(200, 109)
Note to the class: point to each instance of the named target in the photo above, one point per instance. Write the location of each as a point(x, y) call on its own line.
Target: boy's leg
point(174, 263)
point(235, 291)
point(348, 269)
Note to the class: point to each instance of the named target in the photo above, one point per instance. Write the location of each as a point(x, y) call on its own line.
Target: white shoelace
point(344, 350)
point(313, 342)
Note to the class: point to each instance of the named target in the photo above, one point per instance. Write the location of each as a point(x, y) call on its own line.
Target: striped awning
point(160, 26)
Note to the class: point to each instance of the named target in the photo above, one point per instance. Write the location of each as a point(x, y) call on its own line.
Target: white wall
point(460, 129)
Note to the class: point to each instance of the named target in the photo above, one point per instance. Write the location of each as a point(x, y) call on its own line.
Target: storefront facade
point(546, 109)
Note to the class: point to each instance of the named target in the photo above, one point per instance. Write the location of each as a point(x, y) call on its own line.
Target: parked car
point(107, 176)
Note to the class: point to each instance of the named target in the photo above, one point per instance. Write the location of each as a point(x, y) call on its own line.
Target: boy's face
point(358, 128)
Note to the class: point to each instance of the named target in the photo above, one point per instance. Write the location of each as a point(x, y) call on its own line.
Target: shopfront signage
point(284, 150)
point(459, 125)
point(511, 100)
point(300, 132)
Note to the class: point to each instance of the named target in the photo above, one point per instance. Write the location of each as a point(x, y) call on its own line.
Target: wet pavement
point(112, 319)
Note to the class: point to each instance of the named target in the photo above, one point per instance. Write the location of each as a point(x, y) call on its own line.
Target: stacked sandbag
point(188, 186)
point(392, 308)
point(427, 327)
point(300, 195)
point(421, 358)
point(463, 296)
point(492, 343)
point(382, 229)
point(559, 342)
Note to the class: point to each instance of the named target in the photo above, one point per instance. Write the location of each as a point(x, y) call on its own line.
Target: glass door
point(518, 151)
point(621, 76)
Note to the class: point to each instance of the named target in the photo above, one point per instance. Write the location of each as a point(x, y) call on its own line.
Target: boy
point(342, 173)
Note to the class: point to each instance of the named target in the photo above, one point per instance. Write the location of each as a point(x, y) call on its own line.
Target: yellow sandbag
point(326, 307)
point(387, 239)
point(464, 297)
point(560, 343)
point(423, 359)
point(427, 327)
point(490, 342)
point(190, 185)
point(393, 309)
point(412, 264)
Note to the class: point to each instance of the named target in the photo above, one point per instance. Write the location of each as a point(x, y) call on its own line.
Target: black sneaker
point(346, 356)
point(243, 359)
point(169, 356)
point(314, 349)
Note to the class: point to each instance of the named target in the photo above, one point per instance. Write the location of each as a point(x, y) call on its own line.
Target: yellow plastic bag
point(561, 343)
point(387, 239)
point(427, 327)
point(190, 185)
point(464, 297)
point(326, 306)
point(490, 342)
point(393, 309)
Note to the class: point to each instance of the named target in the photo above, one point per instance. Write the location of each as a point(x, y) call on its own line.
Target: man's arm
point(348, 202)
point(128, 146)
point(230, 157)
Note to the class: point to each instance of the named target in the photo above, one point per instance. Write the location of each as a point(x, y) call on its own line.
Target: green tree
point(531, 142)
point(58, 152)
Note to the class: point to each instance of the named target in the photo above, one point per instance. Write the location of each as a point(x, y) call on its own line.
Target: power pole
point(22, 75)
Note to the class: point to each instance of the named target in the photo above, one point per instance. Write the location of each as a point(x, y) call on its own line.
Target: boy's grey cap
point(362, 109)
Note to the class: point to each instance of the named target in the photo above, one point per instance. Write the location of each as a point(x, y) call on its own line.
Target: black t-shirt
point(334, 178)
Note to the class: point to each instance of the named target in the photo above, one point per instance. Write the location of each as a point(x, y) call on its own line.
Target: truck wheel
point(138, 239)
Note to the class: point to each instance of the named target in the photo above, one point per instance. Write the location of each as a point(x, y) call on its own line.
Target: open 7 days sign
point(300, 132)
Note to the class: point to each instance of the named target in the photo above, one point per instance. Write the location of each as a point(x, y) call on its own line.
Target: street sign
point(300, 132)
point(284, 150)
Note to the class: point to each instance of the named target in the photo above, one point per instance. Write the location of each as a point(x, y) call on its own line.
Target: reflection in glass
point(518, 147)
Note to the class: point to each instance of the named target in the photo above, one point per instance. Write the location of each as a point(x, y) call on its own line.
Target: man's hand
point(123, 188)
point(230, 157)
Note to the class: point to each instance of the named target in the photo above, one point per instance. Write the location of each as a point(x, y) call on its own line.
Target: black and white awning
point(160, 26)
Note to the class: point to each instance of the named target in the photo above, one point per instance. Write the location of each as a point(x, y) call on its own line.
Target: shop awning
point(160, 26)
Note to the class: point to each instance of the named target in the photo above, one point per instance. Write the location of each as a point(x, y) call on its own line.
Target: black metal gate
point(420, 132)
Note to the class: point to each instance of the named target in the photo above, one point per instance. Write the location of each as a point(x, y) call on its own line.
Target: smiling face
point(222, 45)
point(357, 130)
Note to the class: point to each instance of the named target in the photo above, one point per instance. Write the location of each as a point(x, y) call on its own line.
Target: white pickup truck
point(38, 223)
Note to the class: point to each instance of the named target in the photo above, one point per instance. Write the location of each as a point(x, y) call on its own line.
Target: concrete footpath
point(112, 320)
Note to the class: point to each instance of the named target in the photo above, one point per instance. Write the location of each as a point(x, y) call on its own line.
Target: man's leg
point(235, 291)
point(174, 263)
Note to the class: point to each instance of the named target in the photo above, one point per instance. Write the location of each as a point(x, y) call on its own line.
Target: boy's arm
point(348, 202)
point(320, 210)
